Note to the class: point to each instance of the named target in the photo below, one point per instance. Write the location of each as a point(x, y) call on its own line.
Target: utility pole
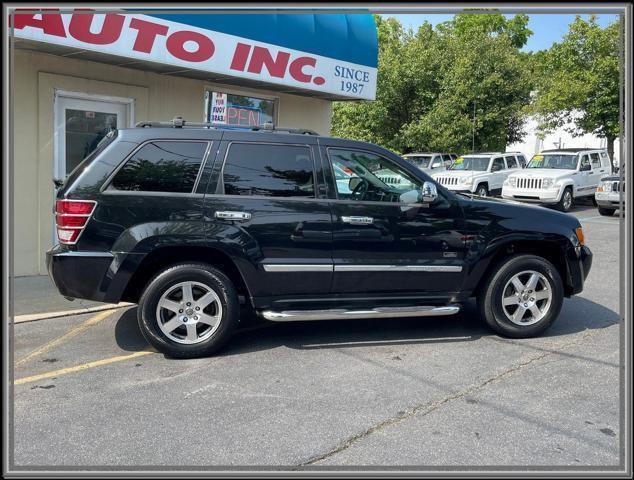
point(473, 128)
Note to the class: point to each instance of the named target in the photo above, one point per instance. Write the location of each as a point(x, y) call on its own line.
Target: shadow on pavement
point(577, 315)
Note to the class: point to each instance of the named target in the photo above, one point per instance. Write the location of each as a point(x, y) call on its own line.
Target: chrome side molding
point(339, 314)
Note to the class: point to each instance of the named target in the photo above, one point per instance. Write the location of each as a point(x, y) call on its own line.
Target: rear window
point(101, 146)
point(161, 166)
point(269, 170)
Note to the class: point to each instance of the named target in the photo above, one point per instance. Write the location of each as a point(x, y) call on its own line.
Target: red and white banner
point(143, 37)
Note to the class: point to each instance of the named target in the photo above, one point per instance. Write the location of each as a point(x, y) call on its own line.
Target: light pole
point(473, 128)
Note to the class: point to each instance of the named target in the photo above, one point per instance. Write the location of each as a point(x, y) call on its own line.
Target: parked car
point(202, 220)
point(558, 177)
point(429, 162)
point(480, 173)
point(609, 194)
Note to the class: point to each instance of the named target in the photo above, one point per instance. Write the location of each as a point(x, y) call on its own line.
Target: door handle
point(227, 215)
point(358, 220)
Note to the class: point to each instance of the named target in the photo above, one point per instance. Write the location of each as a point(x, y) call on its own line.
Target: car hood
point(553, 173)
point(532, 214)
point(459, 173)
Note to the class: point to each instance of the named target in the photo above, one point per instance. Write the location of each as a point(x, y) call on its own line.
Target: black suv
point(190, 221)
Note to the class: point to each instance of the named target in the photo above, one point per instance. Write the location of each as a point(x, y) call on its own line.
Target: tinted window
point(270, 170)
point(511, 162)
point(162, 167)
point(522, 160)
point(596, 163)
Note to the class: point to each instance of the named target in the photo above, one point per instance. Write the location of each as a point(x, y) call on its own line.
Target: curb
point(32, 317)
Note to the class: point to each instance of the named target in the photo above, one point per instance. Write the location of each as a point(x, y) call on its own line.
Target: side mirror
point(430, 192)
point(354, 183)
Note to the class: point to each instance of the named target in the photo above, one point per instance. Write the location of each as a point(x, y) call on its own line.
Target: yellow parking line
point(83, 366)
point(70, 334)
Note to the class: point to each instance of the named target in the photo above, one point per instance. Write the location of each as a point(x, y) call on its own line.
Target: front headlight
point(511, 182)
point(466, 181)
point(547, 183)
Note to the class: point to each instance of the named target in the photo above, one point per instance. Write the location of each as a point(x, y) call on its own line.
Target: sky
point(547, 28)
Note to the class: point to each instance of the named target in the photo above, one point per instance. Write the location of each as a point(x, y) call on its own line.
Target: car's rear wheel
point(522, 297)
point(606, 212)
point(565, 203)
point(188, 310)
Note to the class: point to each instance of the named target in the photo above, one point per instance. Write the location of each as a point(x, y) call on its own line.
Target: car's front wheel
point(606, 212)
point(522, 297)
point(565, 203)
point(482, 190)
point(188, 310)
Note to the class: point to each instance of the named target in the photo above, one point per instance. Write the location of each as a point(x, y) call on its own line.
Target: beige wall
point(156, 97)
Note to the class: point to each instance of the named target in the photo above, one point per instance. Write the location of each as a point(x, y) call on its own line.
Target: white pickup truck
point(480, 173)
point(557, 177)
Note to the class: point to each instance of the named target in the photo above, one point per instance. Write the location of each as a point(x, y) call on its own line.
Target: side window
point(437, 162)
point(446, 159)
point(522, 160)
point(596, 163)
point(605, 160)
point(365, 176)
point(498, 164)
point(269, 170)
point(161, 166)
point(511, 162)
point(585, 162)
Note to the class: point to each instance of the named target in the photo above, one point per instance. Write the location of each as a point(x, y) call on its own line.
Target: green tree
point(428, 82)
point(578, 81)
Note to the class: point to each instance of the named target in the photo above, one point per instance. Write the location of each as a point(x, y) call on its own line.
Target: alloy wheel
point(189, 312)
point(527, 297)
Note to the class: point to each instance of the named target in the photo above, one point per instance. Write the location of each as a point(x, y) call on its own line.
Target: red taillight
point(71, 216)
point(74, 207)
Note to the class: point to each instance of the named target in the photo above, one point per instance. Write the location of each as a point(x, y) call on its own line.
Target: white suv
point(557, 177)
point(480, 173)
point(430, 162)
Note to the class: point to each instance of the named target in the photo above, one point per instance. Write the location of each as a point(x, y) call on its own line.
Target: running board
point(338, 314)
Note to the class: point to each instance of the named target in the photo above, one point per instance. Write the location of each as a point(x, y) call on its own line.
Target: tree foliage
point(429, 82)
point(578, 81)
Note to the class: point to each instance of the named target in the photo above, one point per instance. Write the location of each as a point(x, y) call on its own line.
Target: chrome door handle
point(227, 215)
point(358, 220)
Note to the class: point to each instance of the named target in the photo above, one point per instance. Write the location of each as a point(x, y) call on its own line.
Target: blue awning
point(348, 37)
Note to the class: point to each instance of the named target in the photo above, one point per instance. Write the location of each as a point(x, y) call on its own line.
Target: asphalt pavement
point(405, 393)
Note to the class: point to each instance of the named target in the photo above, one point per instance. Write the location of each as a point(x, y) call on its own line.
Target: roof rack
point(179, 122)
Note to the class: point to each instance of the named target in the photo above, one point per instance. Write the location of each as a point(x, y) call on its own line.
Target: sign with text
point(153, 39)
point(218, 108)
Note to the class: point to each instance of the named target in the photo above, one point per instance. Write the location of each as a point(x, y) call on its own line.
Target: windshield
point(421, 161)
point(478, 164)
point(558, 161)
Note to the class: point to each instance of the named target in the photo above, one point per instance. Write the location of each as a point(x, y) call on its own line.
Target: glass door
point(80, 124)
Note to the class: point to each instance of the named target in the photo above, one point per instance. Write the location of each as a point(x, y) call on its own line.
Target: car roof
point(570, 150)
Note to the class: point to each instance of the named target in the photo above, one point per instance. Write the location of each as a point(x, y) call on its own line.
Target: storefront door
point(81, 122)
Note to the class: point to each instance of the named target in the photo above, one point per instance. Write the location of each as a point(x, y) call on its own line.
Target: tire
point(606, 212)
point(565, 203)
point(499, 285)
point(194, 337)
point(482, 190)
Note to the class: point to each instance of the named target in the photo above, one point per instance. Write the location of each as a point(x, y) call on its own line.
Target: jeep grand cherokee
point(191, 220)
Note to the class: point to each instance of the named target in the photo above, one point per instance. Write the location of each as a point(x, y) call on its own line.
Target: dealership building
point(77, 75)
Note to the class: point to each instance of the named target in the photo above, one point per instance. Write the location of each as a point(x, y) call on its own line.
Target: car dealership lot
point(416, 392)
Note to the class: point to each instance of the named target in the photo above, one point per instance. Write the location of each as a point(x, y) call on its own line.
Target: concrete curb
point(32, 317)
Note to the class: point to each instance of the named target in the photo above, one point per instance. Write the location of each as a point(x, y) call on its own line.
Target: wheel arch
point(547, 249)
point(163, 257)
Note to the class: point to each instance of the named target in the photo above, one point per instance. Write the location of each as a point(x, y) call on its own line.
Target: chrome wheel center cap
point(189, 312)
